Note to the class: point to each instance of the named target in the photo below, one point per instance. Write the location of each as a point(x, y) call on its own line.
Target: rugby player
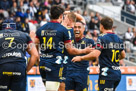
point(69, 20)
point(110, 50)
point(53, 37)
point(77, 73)
point(13, 46)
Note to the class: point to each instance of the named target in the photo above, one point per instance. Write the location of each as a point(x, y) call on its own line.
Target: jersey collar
point(54, 21)
point(110, 32)
point(78, 39)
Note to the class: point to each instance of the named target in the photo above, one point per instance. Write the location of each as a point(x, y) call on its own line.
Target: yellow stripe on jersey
point(60, 72)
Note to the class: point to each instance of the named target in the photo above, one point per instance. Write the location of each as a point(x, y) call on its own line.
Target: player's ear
point(83, 27)
point(61, 16)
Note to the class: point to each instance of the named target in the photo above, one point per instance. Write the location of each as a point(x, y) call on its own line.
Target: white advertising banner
point(131, 83)
point(34, 83)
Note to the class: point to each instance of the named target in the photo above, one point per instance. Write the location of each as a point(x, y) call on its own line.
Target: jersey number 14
point(48, 43)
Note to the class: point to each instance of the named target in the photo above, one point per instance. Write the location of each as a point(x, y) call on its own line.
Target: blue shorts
point(77, 80)
point(50, 72)
point(107, 85)
point(13, 77)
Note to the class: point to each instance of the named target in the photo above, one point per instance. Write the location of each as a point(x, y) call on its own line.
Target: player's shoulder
point(42, 27)
point(105, 35)
point(89, 40)
point(63, 27)
point(20, 32)
point(102, 35)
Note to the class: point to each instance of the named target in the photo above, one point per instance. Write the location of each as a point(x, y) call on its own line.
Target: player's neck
point(107, 31)
point(79, 38)
point(71, 25)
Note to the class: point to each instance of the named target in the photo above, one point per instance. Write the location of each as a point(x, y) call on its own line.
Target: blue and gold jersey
point(83, 65)
point(13, 45)
point(110, 46)
point(66, 57)
point(52, 37)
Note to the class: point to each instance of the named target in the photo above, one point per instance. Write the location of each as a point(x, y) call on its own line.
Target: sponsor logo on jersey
point(12, 73)
point(46, 55)
point(12, 54)
point(108, 89)
point(48, 33)
point(45, 68)
point(83, 42)
point(3, 87)
point(10, 34)
point(115, 68)
point(102, 81)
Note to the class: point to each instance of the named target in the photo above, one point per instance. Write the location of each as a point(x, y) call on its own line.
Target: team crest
point(32, 83)
point(102, 35)
point(83, 42)
point(42, 33)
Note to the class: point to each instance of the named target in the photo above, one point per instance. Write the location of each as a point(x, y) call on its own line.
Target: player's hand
point(76, 59)
point(66, 12)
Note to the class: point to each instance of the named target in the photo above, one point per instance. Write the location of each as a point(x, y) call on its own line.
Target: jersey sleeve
point(67, 36)
point(121, 45)
point(99, 44)
point(38, 33)
point(92, 42)
point(29, 40)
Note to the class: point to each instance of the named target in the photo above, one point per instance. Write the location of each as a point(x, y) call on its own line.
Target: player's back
point(111, 46)
point(13, 46)
point(52, 37)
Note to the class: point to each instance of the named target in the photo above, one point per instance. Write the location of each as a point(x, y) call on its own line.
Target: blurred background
point(29, 15)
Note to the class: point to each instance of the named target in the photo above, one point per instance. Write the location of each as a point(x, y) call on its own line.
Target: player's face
point(66, 19)
point(78, 30)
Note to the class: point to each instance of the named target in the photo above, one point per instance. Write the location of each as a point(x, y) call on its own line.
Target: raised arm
point(80, 18)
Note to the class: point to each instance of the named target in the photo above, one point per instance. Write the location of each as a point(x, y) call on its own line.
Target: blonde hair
point(72, 16)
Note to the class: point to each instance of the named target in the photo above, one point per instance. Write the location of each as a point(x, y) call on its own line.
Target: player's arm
point(32, 35)
point(37, 42)
point(74, 51)
point(91, 56)
point(80, 18)
point(122, 55)
point(34, 56)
